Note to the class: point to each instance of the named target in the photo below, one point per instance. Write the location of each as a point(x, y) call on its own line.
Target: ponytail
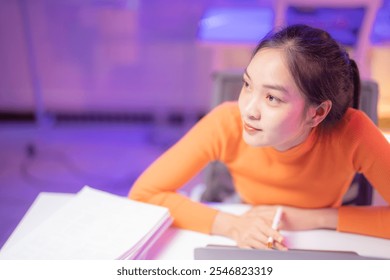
point(356, 84)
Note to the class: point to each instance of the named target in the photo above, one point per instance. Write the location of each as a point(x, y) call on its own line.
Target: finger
point(254, 239)
point(276, 235)
point(280, 246)
point(254, 244)
point(263, 233)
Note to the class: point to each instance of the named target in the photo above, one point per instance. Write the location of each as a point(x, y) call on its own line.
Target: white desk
point(176, 244)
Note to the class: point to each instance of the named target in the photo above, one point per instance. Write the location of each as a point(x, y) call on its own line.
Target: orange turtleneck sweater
point(314, 174)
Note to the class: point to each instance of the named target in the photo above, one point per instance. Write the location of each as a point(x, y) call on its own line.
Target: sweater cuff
point(365, 220)
point(194, 216)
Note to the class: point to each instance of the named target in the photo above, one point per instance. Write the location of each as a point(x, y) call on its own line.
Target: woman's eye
point(245, 83)
point(273, 100)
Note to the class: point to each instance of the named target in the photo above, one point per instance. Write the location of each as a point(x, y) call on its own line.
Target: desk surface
point(177, 244)
point(387, 135)
point(180, 244)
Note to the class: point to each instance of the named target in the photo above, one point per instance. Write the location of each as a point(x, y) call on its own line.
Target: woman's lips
point(250, 129)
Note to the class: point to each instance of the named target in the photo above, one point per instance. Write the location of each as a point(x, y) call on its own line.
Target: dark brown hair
point(321, 68)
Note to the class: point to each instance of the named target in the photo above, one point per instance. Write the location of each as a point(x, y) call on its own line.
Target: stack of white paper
point(94, 225)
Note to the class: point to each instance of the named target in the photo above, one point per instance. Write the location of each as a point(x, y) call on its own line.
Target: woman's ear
point(318, 113)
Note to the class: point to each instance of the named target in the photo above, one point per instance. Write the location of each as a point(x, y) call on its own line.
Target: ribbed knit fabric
point(315, 174)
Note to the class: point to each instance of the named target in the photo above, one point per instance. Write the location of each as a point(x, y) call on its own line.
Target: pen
point(275, 224)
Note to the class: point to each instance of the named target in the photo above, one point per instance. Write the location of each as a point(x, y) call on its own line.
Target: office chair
point(218, 181)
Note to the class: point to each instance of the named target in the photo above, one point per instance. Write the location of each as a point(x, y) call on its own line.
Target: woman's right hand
point(251, 229)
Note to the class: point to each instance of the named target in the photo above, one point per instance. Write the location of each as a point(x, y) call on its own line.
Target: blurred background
point(92, 91)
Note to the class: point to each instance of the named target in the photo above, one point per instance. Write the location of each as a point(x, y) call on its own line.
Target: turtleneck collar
point(295, 151)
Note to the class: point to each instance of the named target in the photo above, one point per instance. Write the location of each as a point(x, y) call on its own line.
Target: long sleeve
point(160, 182)
point(371, 156)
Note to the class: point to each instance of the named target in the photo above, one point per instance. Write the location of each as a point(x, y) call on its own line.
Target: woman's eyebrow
point(246, 74)
point(270, 86)
point(277, 87)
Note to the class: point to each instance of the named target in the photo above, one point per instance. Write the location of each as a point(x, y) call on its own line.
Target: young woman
point(292, 140)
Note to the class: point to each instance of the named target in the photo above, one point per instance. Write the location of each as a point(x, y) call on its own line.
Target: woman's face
point(272, 108)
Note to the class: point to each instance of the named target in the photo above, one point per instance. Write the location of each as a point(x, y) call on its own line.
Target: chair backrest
point(227, 87)
point(369, 97)
point(361, 191)
point(360, 48)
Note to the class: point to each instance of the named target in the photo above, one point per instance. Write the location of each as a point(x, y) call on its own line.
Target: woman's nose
point(253, 110)
point(254, 117)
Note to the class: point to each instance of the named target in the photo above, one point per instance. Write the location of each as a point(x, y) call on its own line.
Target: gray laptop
point(218, 252)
